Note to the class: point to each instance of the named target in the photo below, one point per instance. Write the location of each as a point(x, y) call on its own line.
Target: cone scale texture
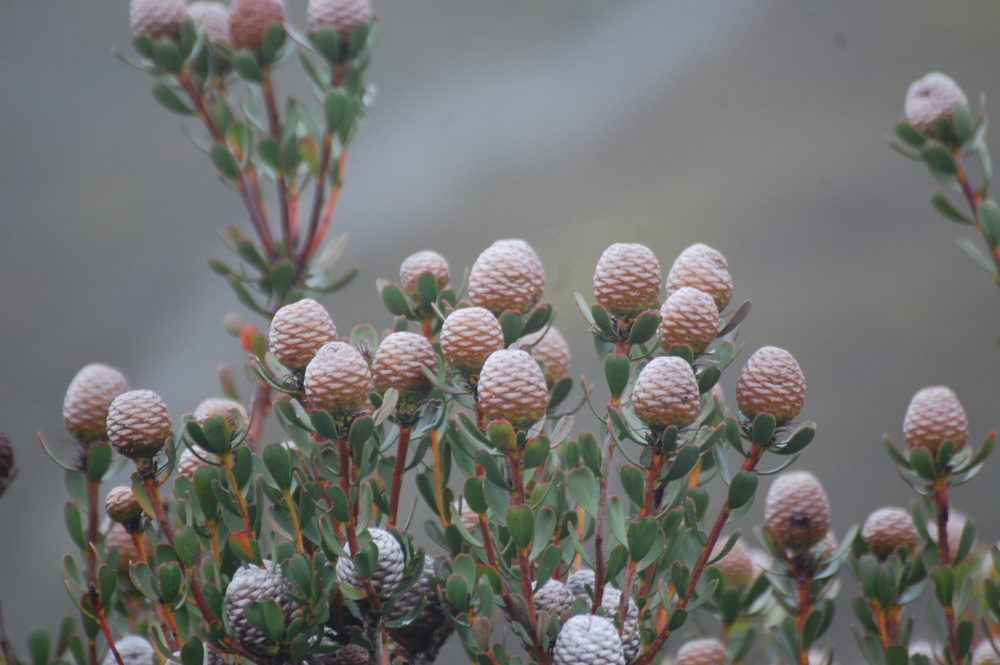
point(134, 650)
point(340, 15)
point(666, 393)
point(689, 317)
point(213, 18)
point(771, 383)
point(703, 268)
point(156, 19)
point(401, 361)
point(138, 424)
point(338, 380)
point(251, 584)
point(415, 265)
point(797, 510)
point(931, 98)
point(736, 567)
point(707, 651)
point(586, 639)
point(388, 571)
point(627, 279)
point(549, 347)
point(507, 275)
point(298, 331)
point(934, 416)
point(250, 19)
point(888, 529)
point(469, 336)
point(512, 387)
point(88, 398)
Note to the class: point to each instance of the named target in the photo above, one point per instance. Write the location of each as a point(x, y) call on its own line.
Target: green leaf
point(521, 524)
point(603, 322)
point(941, 164)
point(977, 256)
point(502, 436)
point(246, 66)
point(39, 645)
point(457, 592)
point(186, 545)
point(944, 584)
point(224, 162)
point(538, 319)
point(193, 653)
point(536, 452)
point(641, 536)
point(394, 299)
point(686, 459)
point(616, 372)
point(274, 37)
point(909, 134)
point(218, 438)
point(274, 620)
point(98, 461)
point(633, 484)
point(170, 100)
point(762, 429)
point(474, 494)
point(948, 211)
point(545, 525)
point(336, 107)
point(961, 121)
point(989, 216)
point(326, 42)
point(741, 489)
point(920, 460)
point(799, 439)
point(677, 620)
point(584, 490)
point(170, 581)
point(279, 465)
point(511, 324)
point(644, 328)
point(281, 277)
point(167, 56)
point(74, 526)
point(590, 452)
point(427, 291)
point(493, 474)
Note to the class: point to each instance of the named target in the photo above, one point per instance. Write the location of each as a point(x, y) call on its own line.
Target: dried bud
point(934, 416)
point(388, 571)
point(415, 265)
point(631, 639)
point(232, 411)
point(586, 639)
point(256, 585)
point(122, 506)
point(705, 269)
point(88, 397)
point(706, 651)
point(298, 331)
point(189, 462)
point(889, 529)
point(666, 393)
point(507, 275)
point(400, 362)
point(134, 650)
point(554, 597)
point(627, 279)
point(156, 19)
point(931, 98)
point(338, 380)
point(689, 317)
point(985, 654)
point(213, 18)
point(138, 424)
point(797, 511)
point(549, 347)
point(469, 336)
point(342, 16)
point(771, 383)
point(511, 387)
point(736, 567)
point(250, 19)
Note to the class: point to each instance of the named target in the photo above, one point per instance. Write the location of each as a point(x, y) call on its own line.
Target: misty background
point(758, 127)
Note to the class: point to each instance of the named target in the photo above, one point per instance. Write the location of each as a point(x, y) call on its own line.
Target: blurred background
point(758, 127)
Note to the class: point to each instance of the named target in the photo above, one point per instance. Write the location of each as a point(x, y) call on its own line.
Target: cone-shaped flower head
point(415, 265)
point(706, 651)
point(931, 98)
point(797, 510)
point(298, 331)
point(138, 424)
point(554, 597)
point(388, 570)
point(121, 505)
point(134, 650)
point(627, 279)
point(469, 336)
point(888, 529)
point(549, 347)
point(736, 567)
point(250, 19)
point(427, 628)
point(507, 275)
point(156, 19)
point(771, 382)
point(88, 397)
point(213, 18)
point(251, 584)
point(666, 393)
point(232, 412)
point(934, 416)
point(631, 639)
point(688, 316)
point(512, 387)
point(705, 269)
point(340, 15)
point(338, 380)
point(189, 462)
point(401, 361)
point(587, 639)
point(581, 583)
point(118, 538)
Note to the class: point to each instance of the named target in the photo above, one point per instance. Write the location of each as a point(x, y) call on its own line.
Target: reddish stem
point(397, 473)
point(274, 123)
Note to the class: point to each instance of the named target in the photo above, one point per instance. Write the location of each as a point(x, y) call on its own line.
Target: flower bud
point(388, 570)
point(252, 584)
point(119, 538)
point(298, 331)
point(587, 639)
point(88, 397)
point(631, 639)
point(122, 506)
point(934, 416)
point(627, 279)
point(415, 265)
point(213, 18)
point(666, 393)
point(231, 411)
point(156, 19)
point(340, 15)
point(189, 462)
point(338, 380)
point(889, 529)
point(549, 347)
point(797, 511)
point(581, 583)
point(469, 336)
point(705, 269)
point(507, 275)
point(134, 650)
point(138, 424)
point(736, 567)
point(400, 362)
point(931, 98)
point(554, 597)
point(771, 383)
point(688, 316)
point(250, 19)
point(511, 387)
point(705, 651)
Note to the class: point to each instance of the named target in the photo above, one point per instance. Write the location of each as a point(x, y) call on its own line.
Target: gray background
point(758, 127)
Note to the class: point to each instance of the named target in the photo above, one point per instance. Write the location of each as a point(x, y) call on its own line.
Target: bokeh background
point(758, 127)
